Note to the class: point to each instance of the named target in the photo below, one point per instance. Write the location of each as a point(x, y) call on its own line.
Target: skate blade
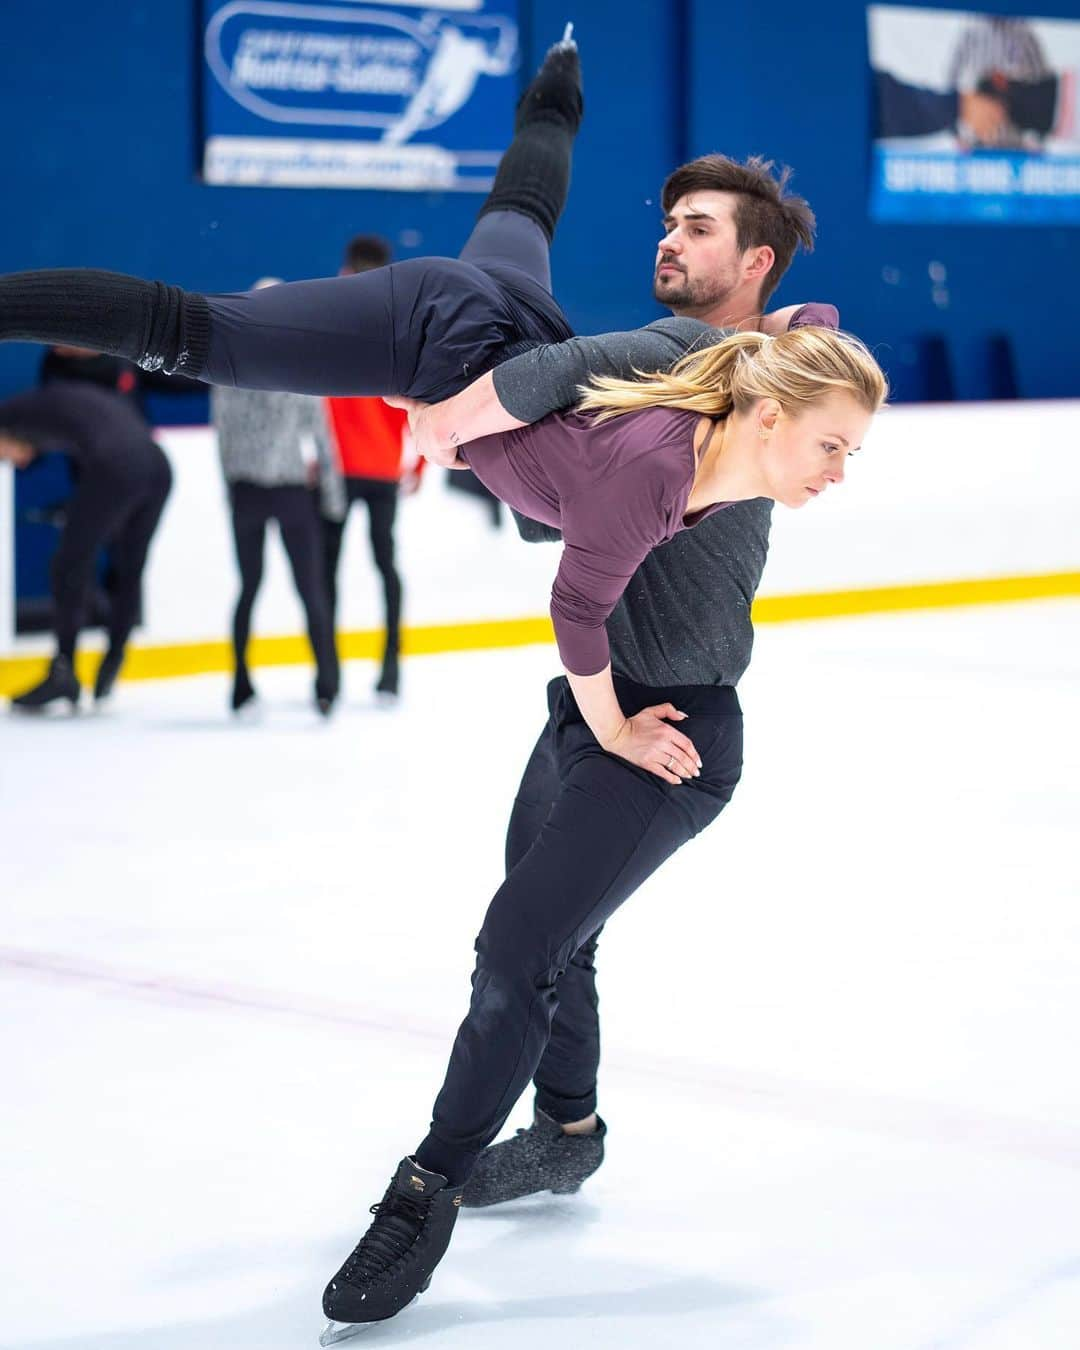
point(336, 1332)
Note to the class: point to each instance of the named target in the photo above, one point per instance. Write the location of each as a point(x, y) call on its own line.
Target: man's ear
point(758, 262)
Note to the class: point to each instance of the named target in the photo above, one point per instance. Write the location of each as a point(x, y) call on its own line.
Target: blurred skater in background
point(275, 455)
point(369, 440)
point(123, 480)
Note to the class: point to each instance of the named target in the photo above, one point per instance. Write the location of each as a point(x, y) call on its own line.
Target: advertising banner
point(976, 117)
point(299, 94)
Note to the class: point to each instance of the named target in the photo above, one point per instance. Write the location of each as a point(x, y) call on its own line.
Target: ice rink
point(841, 1028)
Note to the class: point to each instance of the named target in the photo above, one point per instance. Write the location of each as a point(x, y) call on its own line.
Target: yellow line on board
point(916, 595)
point(201, 658)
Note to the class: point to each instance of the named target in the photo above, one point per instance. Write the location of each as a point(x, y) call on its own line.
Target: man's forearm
point(546, 379)
point(474, 412)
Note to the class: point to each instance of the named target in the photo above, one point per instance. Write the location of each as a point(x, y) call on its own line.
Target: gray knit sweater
point(269, 439)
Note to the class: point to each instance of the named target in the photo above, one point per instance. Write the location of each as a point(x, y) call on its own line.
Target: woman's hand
point(422, 429)
point(647, 739)
point(650, 741)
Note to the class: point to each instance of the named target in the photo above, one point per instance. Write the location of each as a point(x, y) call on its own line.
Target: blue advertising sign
point(299, 94)
point(976, 117)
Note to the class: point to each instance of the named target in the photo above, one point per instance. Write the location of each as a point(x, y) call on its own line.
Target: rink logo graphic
point(417, 1184)
point(389, 74)
point(358, 96)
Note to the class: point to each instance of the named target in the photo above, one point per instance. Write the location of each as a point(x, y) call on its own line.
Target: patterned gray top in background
point(261, 440)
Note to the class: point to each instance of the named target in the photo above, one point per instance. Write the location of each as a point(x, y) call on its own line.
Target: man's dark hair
point(763, 213)
point(365, 251)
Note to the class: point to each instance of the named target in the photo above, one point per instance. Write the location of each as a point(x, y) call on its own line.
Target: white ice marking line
point(834, 1106)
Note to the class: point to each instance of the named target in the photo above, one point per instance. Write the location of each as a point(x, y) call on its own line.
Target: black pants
point(573, 861)
point(381, 498)
point(423, 327)
point(120, 510)
point(294, 509)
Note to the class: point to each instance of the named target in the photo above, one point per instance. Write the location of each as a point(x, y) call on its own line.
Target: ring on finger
point(670, 762)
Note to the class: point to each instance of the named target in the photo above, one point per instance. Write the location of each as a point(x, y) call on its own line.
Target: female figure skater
point(637, 459)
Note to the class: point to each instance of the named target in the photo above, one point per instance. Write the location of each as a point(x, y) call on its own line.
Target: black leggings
point(120, 511)
point(533, 1009)
point(381, 498)
point(294, 509)
point(422, 327)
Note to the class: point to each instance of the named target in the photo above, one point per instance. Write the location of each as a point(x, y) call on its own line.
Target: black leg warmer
point(534, 174)
point(158, 327)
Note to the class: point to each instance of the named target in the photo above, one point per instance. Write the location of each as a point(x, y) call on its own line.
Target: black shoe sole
point(43, 709)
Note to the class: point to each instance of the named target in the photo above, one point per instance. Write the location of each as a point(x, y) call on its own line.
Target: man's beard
point(682, 293)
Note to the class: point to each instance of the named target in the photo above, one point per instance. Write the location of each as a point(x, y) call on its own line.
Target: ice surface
point(840, 1028)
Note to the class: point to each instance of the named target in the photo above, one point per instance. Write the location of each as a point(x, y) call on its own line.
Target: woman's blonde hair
point(797, 368)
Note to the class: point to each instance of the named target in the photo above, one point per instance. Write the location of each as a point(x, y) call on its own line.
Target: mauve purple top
point(616, 489)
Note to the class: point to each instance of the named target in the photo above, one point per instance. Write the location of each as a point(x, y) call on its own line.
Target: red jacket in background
point(369, 438)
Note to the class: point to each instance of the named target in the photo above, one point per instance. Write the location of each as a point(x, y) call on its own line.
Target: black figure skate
point(541, 1158)
point(394, 1260)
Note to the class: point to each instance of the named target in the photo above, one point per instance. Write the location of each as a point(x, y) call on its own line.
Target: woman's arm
point(647, 739)
point(587, 587)
point(800, 316)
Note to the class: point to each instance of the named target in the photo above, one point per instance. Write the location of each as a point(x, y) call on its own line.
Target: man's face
point(698, 263)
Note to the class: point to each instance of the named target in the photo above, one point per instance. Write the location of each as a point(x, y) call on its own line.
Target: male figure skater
point(589, 827)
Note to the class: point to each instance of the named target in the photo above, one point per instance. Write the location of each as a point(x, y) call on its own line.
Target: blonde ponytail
point(797, 368)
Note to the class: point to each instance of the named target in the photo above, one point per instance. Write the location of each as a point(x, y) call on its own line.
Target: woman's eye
point(830, 449)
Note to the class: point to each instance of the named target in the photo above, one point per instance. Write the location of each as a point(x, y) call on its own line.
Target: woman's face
point(804, 454)
point(15, 452)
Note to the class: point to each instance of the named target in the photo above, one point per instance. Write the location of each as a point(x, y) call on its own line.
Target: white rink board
point(938, 493)
point(7, 559)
